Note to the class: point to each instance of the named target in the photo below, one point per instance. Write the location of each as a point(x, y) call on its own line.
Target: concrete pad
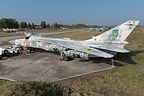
point(45, 66)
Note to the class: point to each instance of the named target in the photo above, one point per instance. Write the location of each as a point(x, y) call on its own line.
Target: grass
point(25, 88)
point(76, 35)
point(5, 34)
point(50, 30)
point(126, 79)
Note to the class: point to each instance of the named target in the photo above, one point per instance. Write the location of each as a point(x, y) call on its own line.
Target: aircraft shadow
point(97, 60)
point(119, 60)
point(126, 58)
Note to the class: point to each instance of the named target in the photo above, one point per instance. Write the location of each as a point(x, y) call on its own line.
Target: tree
point(33, 26)
point(48, 25)
point(55, 25)
point(16, 25)
point(79, 26)
point(8, 23)
point(29, 26)
point(43, 24)
point(23, 24)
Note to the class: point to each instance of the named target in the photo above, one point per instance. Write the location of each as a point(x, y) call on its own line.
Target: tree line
point(13, 23)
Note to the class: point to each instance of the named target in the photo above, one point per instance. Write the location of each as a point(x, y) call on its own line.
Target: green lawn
point(76, 35)
point(126, 79)
point(5, 34)
point(51, 30)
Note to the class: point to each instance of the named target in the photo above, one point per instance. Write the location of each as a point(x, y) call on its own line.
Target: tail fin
point(28, 34)
point(118, 33)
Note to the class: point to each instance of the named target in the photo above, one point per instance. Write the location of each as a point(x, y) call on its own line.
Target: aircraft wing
point(77, 46)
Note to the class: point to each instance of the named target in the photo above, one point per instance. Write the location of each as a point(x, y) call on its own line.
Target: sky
point(99, 12)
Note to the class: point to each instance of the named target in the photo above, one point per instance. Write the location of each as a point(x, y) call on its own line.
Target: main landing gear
point(64, 57)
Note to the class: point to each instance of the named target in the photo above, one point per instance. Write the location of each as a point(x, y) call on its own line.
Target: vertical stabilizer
point(118, 33)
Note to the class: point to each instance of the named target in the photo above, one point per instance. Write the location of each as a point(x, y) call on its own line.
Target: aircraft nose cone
point(12, 41)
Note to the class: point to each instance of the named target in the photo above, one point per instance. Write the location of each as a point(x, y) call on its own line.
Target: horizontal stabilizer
point(113, 48)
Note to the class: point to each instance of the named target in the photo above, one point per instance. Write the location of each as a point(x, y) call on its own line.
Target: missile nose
point(12, 41)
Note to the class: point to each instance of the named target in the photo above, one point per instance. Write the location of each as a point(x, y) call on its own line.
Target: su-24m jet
point(105, 45)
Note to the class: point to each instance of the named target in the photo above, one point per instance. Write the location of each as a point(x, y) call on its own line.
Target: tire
point(14, 53)
point(7, 53)
point(71, 57)
point(0, 57)
point(65, 58)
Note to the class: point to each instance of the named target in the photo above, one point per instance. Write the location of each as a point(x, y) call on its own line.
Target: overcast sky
point(101, 12)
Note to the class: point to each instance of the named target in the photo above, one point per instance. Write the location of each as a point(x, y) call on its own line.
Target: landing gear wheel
point(13, 54)
point(0, 57)
point(65, 58)
point(7, 53)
